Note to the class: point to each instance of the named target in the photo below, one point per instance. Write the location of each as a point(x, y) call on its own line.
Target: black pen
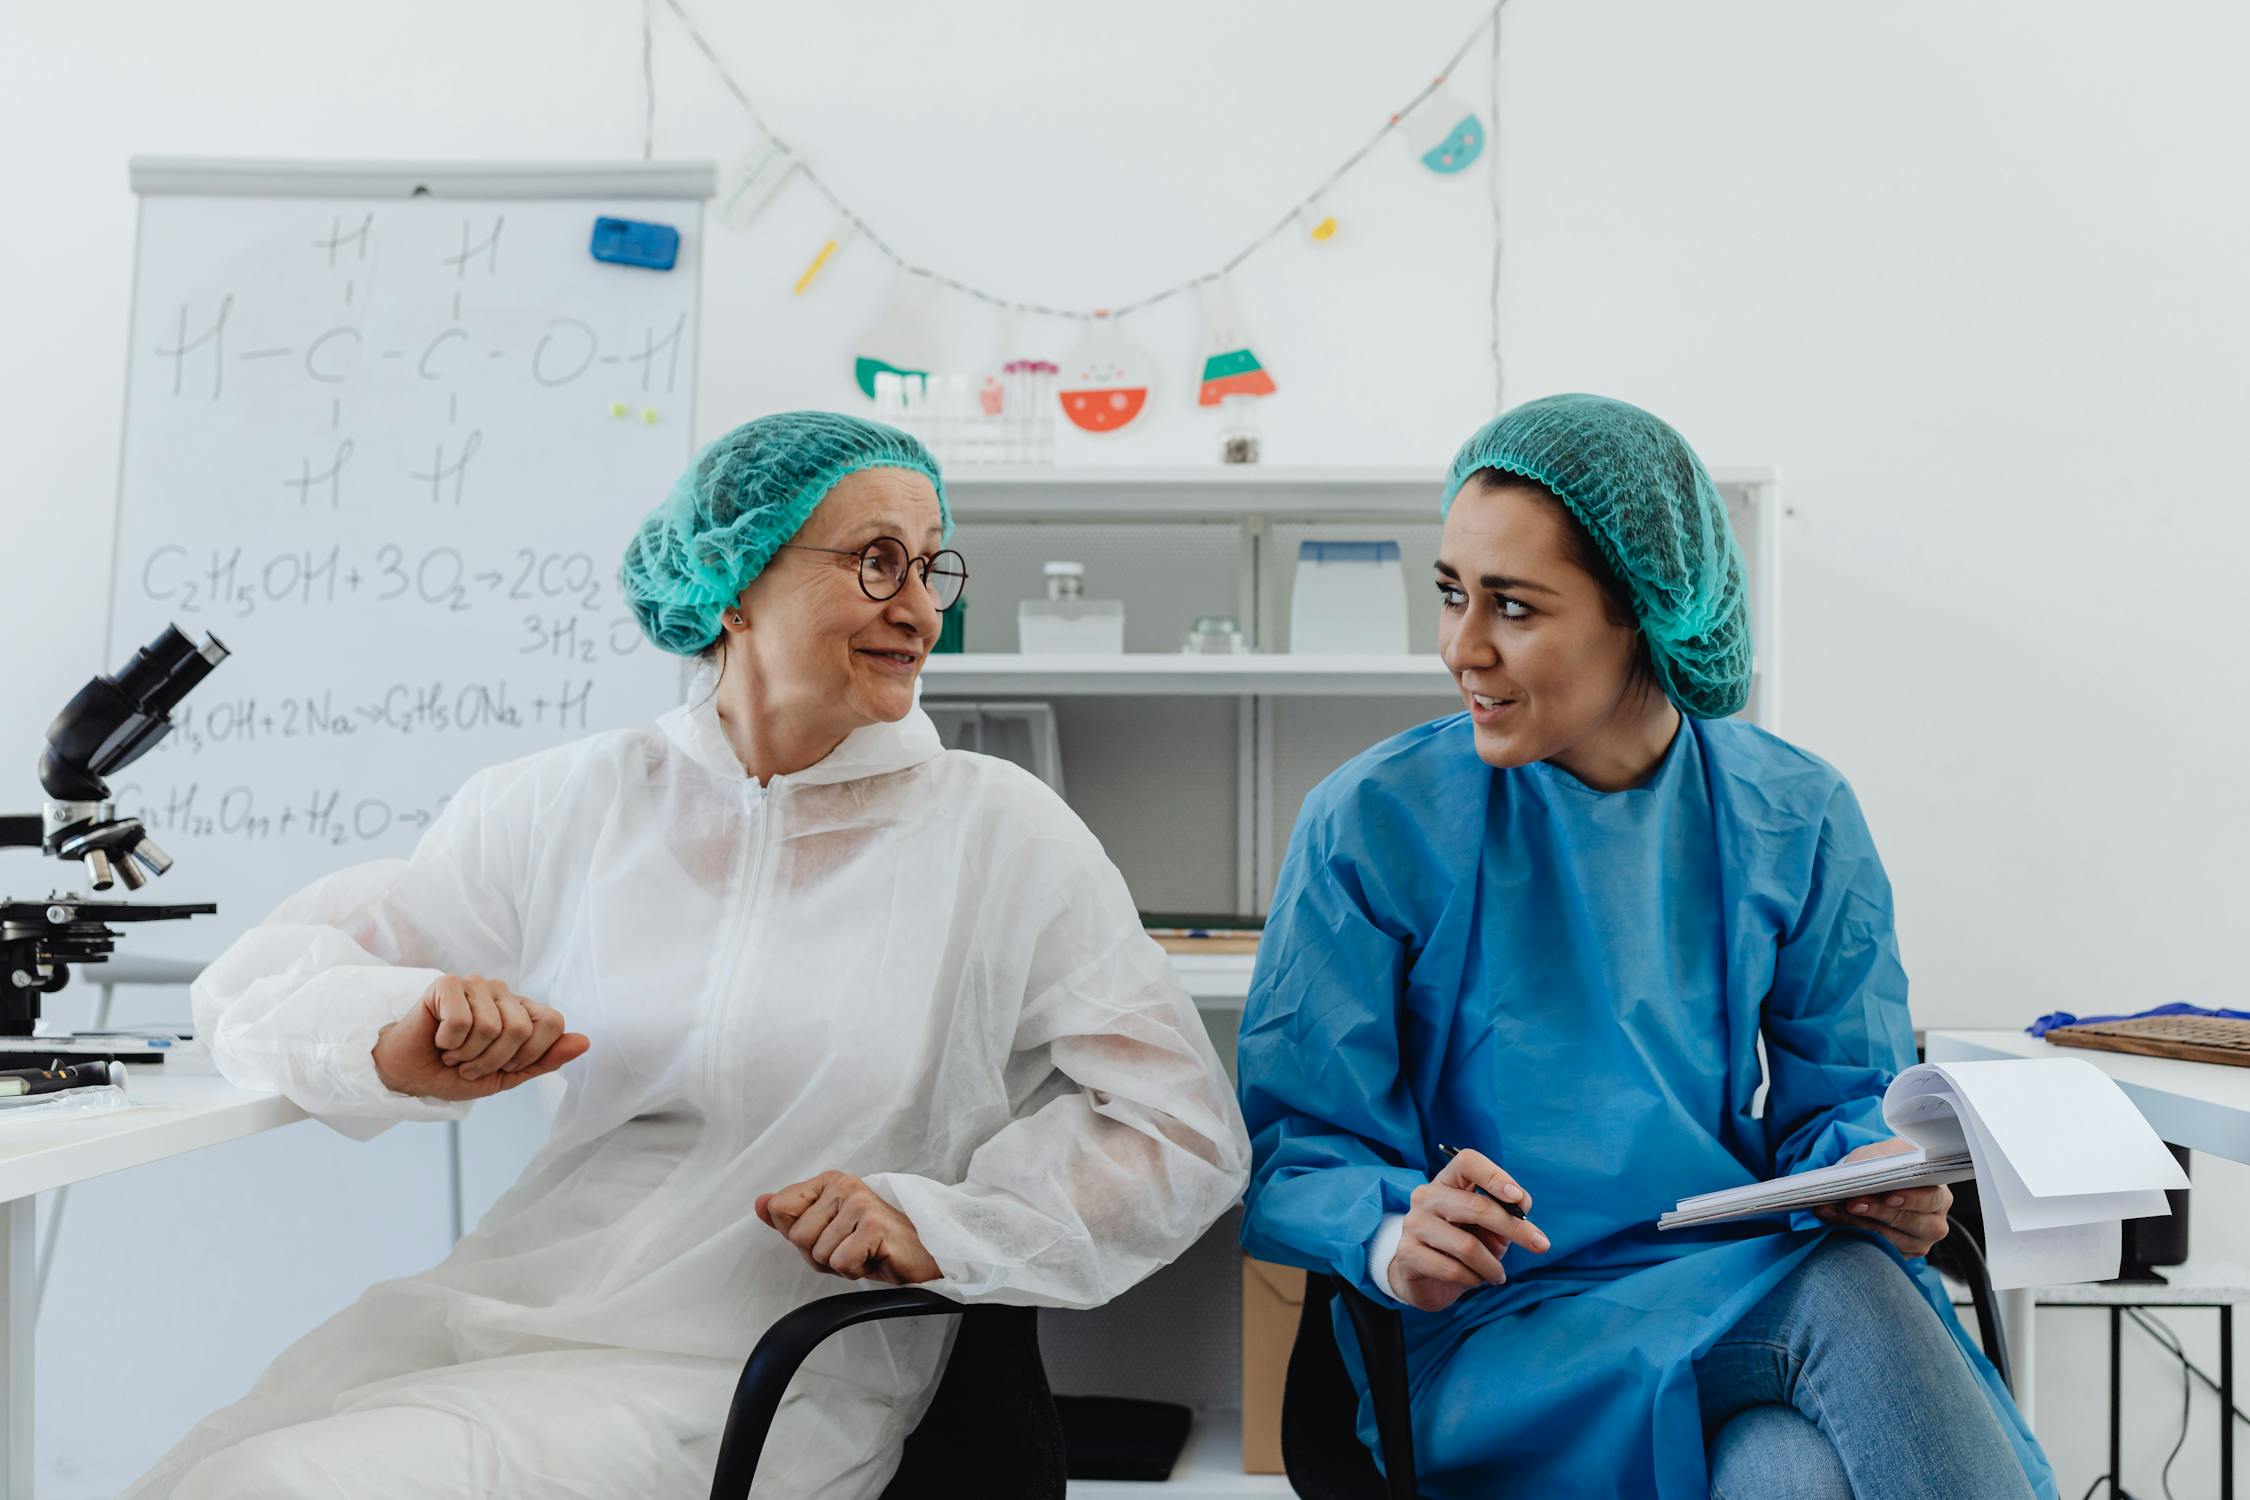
point(17, 1082)
point(1450, 1153)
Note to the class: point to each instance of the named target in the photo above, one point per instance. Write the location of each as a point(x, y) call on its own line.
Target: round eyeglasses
point(885, 562)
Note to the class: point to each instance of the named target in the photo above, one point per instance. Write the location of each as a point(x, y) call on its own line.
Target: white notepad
point(2059, 1153)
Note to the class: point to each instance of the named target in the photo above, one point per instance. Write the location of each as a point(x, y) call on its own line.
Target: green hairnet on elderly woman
point(832, 1005)
point(1551, 932)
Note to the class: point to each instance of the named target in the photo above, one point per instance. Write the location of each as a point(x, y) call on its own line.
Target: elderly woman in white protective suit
point(846, 1005)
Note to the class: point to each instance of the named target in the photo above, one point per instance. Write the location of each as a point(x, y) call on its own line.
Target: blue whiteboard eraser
point(632, 242)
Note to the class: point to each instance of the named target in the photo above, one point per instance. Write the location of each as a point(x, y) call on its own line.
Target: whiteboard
point(387, 433)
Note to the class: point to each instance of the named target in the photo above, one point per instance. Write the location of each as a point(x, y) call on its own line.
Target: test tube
point(1043, 411)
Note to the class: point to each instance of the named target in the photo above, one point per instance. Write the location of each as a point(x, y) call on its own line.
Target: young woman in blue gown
point(1552, 931)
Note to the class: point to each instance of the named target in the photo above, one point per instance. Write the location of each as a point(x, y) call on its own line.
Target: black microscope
point(112, 722)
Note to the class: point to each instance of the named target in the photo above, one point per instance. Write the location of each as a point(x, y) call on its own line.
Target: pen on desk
point(16, 1082)
point(1451, 1152)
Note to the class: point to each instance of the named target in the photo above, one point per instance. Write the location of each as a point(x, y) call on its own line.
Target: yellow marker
point(1325, 229)
point(826, 250)
point(619, 409)
point(648, 415)
point(837, 239)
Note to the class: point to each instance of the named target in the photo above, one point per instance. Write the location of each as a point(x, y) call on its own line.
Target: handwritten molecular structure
point(333, 358)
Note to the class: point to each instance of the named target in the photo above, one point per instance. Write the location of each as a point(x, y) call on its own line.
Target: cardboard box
point(1272, 1298)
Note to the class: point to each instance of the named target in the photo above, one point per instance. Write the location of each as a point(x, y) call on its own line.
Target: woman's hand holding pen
point(1454, 1236)
point(469, 1038)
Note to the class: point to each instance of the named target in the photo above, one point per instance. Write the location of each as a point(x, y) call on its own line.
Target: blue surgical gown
point(1575, 983)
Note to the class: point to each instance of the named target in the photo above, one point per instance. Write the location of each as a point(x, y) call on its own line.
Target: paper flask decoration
point(1105, 380)
point(1445, 133)
point(902, 342)
point(1229, 368)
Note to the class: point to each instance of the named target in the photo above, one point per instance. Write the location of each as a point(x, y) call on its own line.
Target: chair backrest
point(993, 1416)
point(1960, 1255)
point(1320, 1446)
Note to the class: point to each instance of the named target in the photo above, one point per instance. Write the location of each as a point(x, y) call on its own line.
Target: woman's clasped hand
point(469, 1037)
point(843, 1228)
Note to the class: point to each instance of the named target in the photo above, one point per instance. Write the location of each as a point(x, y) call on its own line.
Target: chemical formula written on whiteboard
point(432, 349)
point(402, 708)
point(391, 451)
point(322, 815)
point(236, 582)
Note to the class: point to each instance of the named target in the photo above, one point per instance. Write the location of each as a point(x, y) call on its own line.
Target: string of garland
point(1492, 191)
point(1490, 25)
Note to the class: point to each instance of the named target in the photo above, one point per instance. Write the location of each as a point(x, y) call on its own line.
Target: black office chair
point(1960, 1255)
point(1320, 1446)
point(992, 1416)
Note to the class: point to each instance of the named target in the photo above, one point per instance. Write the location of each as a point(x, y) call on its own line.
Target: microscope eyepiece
point(115, 720)
point(167, 669)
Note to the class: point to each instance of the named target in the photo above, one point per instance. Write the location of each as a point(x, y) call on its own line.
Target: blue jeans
point(1842, 1383)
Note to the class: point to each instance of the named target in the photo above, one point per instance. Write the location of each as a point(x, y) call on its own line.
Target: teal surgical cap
point(744, 496)
point(1640, 491)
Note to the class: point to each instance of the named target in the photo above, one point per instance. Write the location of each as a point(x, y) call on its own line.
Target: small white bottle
point(1068, 623)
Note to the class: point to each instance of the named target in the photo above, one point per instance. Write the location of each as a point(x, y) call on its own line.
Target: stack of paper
point(1882, 1174)
point(2060, 1155)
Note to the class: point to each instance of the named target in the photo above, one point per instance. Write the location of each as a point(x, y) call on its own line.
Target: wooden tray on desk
point(2211, 1039)
point(1227, 945)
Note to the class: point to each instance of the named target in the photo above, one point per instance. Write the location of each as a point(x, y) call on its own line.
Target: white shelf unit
point(1157, 742)
point(1239, 490)
point(1153, 674)
point(1219, 982)
point(1259, 514)
point(1209, 1468)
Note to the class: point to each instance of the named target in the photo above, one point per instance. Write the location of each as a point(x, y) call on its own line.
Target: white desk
point(2202, 1106)
point(177, 1106)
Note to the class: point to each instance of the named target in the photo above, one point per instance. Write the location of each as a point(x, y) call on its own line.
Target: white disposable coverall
point(907, 963)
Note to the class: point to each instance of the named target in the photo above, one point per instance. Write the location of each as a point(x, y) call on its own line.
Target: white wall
point(1969, 274)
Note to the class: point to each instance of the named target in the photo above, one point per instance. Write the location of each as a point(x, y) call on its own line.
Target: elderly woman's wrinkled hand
point(469, 1038)
point(842, 1228)
point(1912, 1219)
